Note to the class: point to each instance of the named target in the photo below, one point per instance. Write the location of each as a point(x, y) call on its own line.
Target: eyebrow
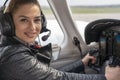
point(28, 17)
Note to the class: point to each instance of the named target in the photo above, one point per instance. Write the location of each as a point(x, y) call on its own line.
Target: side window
point(56, 37)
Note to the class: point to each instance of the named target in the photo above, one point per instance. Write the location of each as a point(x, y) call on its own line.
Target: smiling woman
point(23, 58)
point(28, 24)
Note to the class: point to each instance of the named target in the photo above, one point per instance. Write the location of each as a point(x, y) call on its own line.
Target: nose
point(32, 25)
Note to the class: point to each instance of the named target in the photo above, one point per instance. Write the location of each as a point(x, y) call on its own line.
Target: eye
point(24, 20)
point(38, 20)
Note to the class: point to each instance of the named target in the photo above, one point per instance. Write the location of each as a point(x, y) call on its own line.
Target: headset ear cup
point(7, 25)
point(44, 23)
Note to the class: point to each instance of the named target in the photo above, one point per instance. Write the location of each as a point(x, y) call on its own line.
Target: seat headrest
point(94, 28)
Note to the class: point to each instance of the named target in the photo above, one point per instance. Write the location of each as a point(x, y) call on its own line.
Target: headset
point(8, 27)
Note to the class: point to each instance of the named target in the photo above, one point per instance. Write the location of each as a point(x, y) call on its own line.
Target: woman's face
point(27, 20)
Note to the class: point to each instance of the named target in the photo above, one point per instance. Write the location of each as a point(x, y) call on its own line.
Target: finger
point(93, 59)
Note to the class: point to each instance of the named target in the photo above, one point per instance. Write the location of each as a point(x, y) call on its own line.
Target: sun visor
point(94, 28)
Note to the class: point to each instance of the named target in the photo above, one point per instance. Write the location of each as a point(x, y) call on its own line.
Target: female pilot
point(21, 24)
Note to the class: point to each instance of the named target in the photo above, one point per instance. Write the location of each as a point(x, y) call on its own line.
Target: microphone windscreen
point(45, 37)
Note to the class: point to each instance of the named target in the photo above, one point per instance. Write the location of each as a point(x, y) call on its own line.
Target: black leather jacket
point(18, 62)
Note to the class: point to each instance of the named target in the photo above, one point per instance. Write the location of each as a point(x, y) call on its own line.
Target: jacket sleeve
point(76, 66)
point(23, 66)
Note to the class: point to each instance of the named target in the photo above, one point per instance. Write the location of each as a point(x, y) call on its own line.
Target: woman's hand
point(87, 58)
point(112, 73)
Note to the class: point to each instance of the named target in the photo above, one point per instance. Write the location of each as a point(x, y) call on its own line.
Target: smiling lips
point(31, 35)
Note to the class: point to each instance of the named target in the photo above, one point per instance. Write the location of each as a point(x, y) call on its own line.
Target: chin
point(31, 41)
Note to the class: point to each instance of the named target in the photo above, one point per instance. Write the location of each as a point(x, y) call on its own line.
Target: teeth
point(32, 35)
